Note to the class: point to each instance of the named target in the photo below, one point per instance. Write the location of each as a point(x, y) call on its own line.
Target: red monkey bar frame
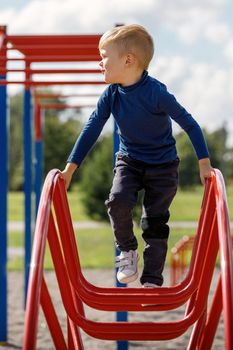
point(31, 50)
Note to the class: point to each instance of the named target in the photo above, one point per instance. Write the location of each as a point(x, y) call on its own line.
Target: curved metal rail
point(55, 225)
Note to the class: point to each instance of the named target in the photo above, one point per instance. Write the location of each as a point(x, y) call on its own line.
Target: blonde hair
point(133, 39)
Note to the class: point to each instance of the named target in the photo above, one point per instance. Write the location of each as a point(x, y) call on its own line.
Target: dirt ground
point(101, 278)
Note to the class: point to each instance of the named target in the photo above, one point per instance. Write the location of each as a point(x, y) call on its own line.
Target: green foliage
point(59, 138)
point(16, 142)
point(59, 135)
point(188, 169)
point(97, 252)
point(96, 172)
point(97, 179)
point(220, 155)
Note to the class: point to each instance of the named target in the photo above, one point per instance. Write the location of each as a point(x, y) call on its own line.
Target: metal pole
point(38, 152)
point(27, 182)
point(120, 315)
point(3, 191)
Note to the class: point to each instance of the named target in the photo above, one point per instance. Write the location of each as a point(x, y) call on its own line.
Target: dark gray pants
point(160, 185)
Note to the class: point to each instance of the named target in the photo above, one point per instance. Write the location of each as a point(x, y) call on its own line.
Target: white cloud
point(171, 69)
point(205, 89)
point(218, 32)
point(228, 51)
point(207, 94)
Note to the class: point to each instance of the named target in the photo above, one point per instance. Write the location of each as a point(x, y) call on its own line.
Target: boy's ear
point(130, 59)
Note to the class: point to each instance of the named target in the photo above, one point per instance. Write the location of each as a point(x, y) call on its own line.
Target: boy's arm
point(88, 137)
point(68, 172)
point(92, 129)
point(192, 128)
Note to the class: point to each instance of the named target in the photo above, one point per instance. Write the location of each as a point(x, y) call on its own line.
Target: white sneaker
point(149, 285)
point(128, 266)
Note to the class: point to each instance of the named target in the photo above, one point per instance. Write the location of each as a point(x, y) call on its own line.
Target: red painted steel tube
point(68, 271)
point(207, 338)
point(66, 225)
point(47, 83)
point(226, 259)
point(55, 58)
point(50, 71)
point(36, 268)
point(54, 46)
point(51, 318)
point(88, 286)
point(65, 106)
point(38, 94)
point(197, 331)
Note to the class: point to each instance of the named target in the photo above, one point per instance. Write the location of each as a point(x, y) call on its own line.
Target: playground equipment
point(179, 258)
point(213, 235)
point(24, 56)
point(40, 106)
point(180, 255)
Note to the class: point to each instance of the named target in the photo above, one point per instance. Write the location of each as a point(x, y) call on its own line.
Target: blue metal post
point(3, 191)
point(38, 171)
point(38, 153)
point(27, 182)
point(120, 315)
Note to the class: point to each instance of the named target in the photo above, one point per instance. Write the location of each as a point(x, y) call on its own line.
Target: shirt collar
point(134, 86)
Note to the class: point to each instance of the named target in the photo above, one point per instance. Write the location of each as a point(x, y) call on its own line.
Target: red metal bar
point(39, 94)
point(177, 291)
point(197, 332)
point(47, 83)
point(179, 258)
point(16, 40)
point(68, 270)
point(207, 337)
point(65, 106)
point(51, 318)
point(50, 71)
point(36, 271)
point(55, 58)
point(3, 41)
point(54, 46)
point(226, 259)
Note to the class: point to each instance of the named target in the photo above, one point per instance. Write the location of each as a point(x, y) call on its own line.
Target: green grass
point(95, 247)
point(185, 207)
point(16, 206)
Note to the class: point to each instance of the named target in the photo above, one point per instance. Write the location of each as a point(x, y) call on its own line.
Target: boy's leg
point(160, 188)
point(122, 199)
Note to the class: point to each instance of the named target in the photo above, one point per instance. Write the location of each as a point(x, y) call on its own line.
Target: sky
point(193, 43)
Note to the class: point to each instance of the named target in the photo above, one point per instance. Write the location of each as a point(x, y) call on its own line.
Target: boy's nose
point(101, 64)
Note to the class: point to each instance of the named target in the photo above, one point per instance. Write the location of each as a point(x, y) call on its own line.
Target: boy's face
point(112, 64)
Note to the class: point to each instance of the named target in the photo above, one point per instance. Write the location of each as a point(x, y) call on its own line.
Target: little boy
point(147, 158)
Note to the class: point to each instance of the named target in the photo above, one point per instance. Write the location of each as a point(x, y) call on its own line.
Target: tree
point(220, 156)
point(188, 169)
point(59, 139)
point(97, 179)
point(97, 170)
point(16, 142)
point(218, 148)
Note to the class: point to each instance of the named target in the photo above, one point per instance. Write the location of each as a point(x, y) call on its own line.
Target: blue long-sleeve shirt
point(143, 113)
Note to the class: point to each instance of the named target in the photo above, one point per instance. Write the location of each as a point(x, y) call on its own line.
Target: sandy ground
point(98, 277)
